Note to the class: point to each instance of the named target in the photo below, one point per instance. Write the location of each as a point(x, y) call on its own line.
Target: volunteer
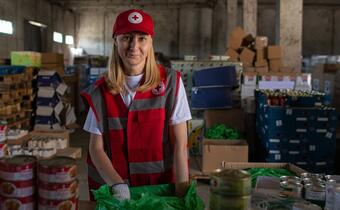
point(137, 115)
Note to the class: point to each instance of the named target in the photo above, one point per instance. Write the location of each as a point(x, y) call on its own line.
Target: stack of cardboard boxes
point(53, 61)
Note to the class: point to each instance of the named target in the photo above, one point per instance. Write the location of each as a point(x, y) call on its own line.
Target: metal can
point(58, 191)
point(337, 197)
point(300, 205)
point(315, 193)
point(17, 168)
point(222, 202)
point(291, 188)
point(26, 203)
point(17, 189)
point(69, 204)
point(230, 182)
point(290, 178)
point(332, 177)
point(57, 170)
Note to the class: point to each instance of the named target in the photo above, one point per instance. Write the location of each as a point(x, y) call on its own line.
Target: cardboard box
point(216, 151)
point(261, 70)
point(236, 38)
point(260, 55)
point(26, 58)
point(53, 58)
point(285, 69)
point(60, 69)
point(275, 65)
point(263, 63)
point(247, 56)
point(261, 42)
point(291, 167)
point(232, 54)
point(233, 117)
point(53, 134)
point(247, 91)
point(249, 69)
point(274, 52)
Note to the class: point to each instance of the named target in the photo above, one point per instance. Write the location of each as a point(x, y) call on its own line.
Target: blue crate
point(211, 98)
point(48, 80)
point(51, 102)
point(46, 120)
point(220, 76)
point(7, 70)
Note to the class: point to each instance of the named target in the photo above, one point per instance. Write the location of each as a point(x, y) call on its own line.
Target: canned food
point(69, 204)
point(300, 205)
point(57, 170)
point(17, 168)
point(26, 203)
point(333, 177)
point(290, 178)
point(222, 202)
point(315, 192)
point(3, 149)
point(337, 197)
point(230, 182)
point(17, 189)
point(291, 189)
point(58, 191)
point(330, 185)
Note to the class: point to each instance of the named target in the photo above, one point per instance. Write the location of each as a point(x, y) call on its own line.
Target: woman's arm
point(178, 135)
point(102, 162)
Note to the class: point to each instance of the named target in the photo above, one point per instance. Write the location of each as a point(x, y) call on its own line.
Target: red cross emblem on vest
point(159, 89)
point(135, 18)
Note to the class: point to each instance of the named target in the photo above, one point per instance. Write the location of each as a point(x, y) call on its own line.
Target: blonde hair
point(115, 78)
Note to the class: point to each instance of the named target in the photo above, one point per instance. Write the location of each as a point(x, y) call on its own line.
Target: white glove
point(121, 191)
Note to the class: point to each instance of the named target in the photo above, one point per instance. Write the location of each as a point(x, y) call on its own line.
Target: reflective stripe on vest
point(146, 167)
point(116, 123)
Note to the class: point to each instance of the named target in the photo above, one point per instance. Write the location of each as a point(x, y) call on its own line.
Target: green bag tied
point(220, 131)
point(160, 197)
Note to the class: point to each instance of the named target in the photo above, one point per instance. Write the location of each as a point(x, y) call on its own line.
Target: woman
point(137, 115)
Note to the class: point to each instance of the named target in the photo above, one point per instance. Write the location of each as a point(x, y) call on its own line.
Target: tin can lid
point(58, 162)
point(231, 174)
point(20, 160)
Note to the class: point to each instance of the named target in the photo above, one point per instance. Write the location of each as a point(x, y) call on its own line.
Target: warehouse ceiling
point(78, 4)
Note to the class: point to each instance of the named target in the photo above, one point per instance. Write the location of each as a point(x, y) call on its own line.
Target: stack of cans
point(58, 186)
point(230, 189)
point(17, 182)
point(332, 192)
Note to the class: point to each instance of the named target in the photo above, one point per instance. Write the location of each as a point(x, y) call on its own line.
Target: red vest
point(137, 139)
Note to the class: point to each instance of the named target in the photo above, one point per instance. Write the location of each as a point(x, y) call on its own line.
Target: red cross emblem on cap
point(135, 17)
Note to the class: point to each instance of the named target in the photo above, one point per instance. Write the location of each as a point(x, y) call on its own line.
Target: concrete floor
point(80, 138)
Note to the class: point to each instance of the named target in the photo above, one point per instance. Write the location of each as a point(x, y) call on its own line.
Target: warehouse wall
point(55, 17)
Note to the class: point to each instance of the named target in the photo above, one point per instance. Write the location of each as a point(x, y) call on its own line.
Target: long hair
point(115, 78)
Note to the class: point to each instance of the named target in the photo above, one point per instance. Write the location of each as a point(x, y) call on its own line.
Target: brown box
point(291, 167)
point(236, 38)
point(261, 70)
point(262, 63)
point(274, 52)
point(261, 42)
point(247, 56)
point(52, 133)
point(233, 117)
point(232, 53)
point(216, 151)
point(59, 68)
point(275, 64)
point(260, 55)
point(52, 58)
point(286, 69)
point(249, 69)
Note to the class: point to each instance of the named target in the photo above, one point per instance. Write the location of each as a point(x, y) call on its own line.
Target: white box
point(46, 92)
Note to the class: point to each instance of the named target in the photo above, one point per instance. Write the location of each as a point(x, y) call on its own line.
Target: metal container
point(223, 202)
point(57, 170)
point(333, 177)
point(300, 205)
point(18, 168)
point(17, 189)
point(315, 193)
point(292, 188)
point(337, 197)
point(26, 203)
point(290, 179)
point(230, 182)
point(58, 191)
point(69, 204)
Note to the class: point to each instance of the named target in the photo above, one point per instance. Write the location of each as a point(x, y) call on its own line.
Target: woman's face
point(133, 49)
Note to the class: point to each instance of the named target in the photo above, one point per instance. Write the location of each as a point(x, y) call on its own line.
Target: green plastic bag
point(159, 197)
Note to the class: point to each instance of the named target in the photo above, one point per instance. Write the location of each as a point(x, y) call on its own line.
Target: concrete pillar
point(289, 32)
point(231, 16)
point(250, 16)
point(205, 31)
point(219, 28)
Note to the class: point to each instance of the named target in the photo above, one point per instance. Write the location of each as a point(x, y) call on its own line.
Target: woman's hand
point(181, 189)
point(121, 191)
